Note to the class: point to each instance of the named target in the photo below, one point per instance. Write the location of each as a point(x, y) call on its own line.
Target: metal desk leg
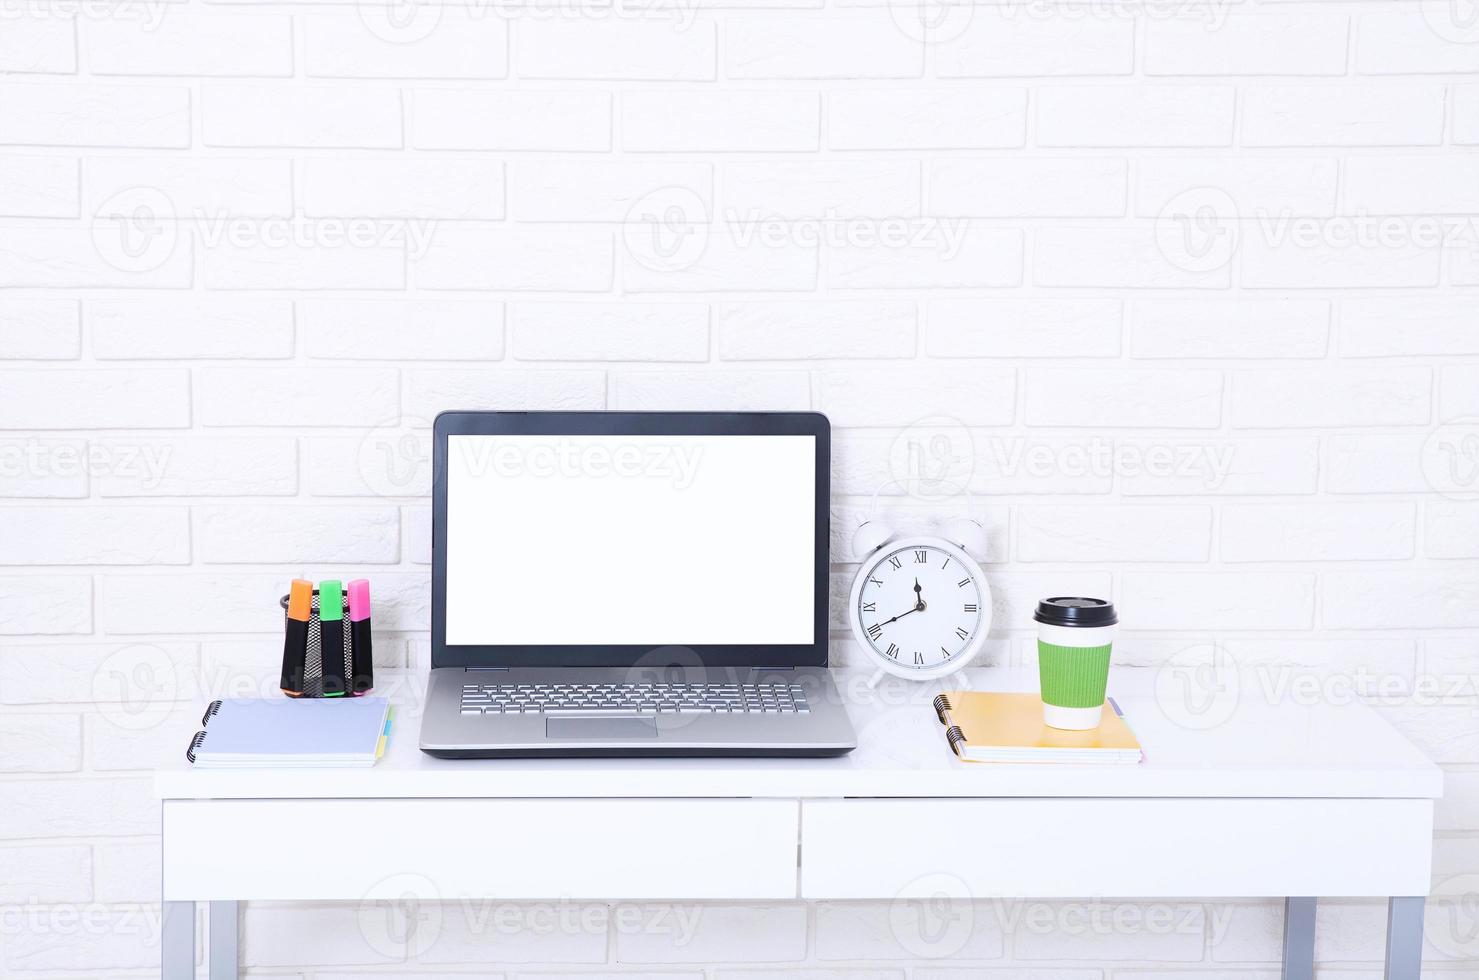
point(1404, 938)
point(223, 959)
point(1299, 939)
point(177, 941)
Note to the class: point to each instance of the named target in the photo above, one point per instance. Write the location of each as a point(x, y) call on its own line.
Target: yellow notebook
point(989, 727)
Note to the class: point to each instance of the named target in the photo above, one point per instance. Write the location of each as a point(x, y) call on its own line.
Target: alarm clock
point(920, 605)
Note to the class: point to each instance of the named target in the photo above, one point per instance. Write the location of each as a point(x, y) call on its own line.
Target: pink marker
point(361, 653)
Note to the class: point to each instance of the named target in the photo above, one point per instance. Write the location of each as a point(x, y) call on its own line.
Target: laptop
point(631, 584)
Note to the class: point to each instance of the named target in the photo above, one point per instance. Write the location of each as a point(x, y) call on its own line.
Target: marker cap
point(359, 599)
point(330, 600)
point(300, 600)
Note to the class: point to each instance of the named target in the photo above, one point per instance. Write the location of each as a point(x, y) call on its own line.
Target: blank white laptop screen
point(626, 539)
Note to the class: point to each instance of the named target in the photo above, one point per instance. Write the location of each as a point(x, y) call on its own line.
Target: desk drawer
point(511, 849)
point(1054, 848)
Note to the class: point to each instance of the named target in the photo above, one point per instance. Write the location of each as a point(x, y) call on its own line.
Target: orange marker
point(295, 641)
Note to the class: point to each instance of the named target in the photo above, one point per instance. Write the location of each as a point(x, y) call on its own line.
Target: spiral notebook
point(992, 727)
point(258, 732)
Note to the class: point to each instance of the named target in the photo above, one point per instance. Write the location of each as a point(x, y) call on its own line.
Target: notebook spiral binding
point(942, 706)
point(199, 739)
point(955, 737)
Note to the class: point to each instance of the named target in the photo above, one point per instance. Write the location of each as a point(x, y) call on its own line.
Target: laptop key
point(611, 710)
point(632, 699)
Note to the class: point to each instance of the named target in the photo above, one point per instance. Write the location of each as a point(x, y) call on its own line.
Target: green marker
point(331, 632)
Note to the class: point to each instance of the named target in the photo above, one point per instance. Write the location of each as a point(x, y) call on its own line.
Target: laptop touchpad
point(615, 728)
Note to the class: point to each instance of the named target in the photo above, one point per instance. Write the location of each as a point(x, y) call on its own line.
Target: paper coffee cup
point(1074, 638)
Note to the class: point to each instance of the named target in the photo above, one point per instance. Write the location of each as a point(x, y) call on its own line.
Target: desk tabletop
point(1254, 749)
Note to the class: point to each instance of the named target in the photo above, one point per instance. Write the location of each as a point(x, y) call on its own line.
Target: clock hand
point(901, 615)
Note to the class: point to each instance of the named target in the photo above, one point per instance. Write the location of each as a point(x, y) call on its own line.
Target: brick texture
point(1190, 294)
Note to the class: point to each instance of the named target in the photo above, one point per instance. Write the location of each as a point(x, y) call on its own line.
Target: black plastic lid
point(1076, 611)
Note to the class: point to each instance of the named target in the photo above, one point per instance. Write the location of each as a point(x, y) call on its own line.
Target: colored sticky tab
point(330, 600)
point(300, 600)
point(385, 735)
point(359, 599)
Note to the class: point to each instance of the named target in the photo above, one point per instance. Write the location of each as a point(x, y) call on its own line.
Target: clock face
point(920, 606)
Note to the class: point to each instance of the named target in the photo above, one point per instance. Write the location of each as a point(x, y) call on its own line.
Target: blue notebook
point(256, 732)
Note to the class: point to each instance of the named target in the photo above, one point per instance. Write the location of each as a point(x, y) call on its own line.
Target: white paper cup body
point(1073, 717)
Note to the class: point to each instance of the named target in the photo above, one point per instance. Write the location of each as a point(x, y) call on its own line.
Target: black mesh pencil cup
point(303, 671)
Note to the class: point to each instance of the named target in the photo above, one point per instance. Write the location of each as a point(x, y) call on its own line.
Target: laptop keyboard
point(627, 699)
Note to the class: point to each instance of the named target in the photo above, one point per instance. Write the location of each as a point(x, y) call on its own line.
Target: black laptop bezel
point(813, 654)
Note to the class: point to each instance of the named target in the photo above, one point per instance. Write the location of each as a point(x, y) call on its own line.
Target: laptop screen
point(630, 539)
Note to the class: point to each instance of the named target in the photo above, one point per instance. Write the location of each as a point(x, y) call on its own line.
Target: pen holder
point(361, 668)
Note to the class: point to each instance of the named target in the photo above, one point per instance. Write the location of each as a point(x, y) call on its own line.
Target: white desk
point(1277, 801)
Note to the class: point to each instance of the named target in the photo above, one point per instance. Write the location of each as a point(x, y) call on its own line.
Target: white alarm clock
point(920, 605)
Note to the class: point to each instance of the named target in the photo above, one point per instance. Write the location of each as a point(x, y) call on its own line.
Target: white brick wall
point(1192, 288)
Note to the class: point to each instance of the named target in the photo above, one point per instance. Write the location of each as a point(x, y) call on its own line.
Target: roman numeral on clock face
point(911, 583)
